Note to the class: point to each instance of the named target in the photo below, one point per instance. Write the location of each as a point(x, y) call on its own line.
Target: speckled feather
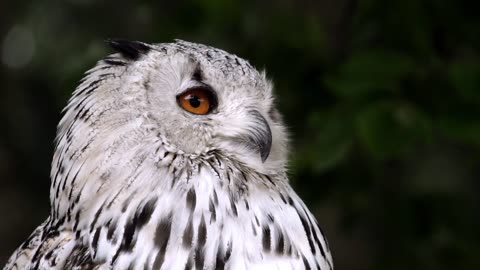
point(139, 183)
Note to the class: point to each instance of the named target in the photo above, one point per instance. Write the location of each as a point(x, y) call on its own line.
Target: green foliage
point(389, 130)
point(326, 149)
point(368, 73)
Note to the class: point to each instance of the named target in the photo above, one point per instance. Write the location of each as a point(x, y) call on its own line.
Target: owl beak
point(260, 135)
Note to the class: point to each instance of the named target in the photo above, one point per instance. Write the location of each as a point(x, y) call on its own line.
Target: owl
point(172, 156)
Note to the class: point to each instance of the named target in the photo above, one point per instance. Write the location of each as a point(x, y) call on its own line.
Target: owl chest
point(201, 222)
point(214, 236)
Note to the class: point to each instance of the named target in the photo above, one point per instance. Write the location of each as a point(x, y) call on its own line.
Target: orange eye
point(197, 100)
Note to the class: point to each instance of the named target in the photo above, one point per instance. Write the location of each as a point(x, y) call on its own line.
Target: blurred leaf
point(330, 142)
point(465, 77)
point(368, 72)
point(461, 124)
point(388, 130)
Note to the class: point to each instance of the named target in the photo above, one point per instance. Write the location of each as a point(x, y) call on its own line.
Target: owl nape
point(173, 156)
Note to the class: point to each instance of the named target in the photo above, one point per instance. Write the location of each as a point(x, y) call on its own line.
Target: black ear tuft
point(129, 49)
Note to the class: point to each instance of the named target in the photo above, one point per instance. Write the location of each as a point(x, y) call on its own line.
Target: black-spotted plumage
point(139, 181)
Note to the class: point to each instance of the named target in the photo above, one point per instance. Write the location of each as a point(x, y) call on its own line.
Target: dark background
point(382, 99)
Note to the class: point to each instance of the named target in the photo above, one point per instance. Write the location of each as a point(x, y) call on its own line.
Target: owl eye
point(197, 100)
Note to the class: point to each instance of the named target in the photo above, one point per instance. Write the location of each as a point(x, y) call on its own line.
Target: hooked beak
point(259, 136)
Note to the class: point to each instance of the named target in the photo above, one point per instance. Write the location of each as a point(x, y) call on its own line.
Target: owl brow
point(197, 74)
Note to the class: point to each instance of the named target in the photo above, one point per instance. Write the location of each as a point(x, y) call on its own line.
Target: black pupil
point(194, 101)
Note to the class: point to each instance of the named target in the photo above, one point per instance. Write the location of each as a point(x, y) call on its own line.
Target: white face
point(130, 103)
point(239, 118)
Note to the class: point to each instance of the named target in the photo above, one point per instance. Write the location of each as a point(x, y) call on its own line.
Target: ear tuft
point(129, 49)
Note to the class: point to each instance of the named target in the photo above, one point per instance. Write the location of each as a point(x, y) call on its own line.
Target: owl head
point(196, 99)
